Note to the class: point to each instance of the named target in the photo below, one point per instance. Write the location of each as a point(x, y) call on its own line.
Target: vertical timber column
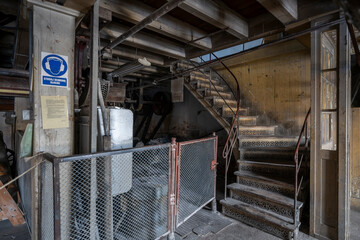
point(53, 33)
point(94, 75)
point(344, 131)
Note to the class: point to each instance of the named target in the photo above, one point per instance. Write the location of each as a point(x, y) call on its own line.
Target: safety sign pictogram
point(54, 70)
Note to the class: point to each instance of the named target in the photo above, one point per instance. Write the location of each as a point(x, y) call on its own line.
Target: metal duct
point(130, 67)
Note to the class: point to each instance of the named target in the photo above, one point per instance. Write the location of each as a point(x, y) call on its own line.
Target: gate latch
point(213, 164)
point(172, 199)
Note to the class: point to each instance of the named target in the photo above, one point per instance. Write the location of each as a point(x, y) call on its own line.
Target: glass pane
point(328, 90)
point(328, 49)
point(328, 130)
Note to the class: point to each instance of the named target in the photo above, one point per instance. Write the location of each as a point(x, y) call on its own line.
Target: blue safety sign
point(54, 70)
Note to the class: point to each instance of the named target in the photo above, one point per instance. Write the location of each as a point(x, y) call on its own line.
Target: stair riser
point(269, 170)
point(257, 223)
point(254, 155)
point(247, 122)
point(216, 94)
point(243, 143)
point(255, 132)
point(229, 113)
point(266, 186)
point(270, 156)
point(264, 204)
point(220, 102)
point(208, 85)
point(203, 79)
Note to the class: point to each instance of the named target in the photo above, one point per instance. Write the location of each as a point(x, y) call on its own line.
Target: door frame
point(343, 133)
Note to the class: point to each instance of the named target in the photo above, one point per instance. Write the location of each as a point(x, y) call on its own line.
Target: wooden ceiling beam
point(284, 10)
point(218, 14)
point(135, 11)
point(145, 41)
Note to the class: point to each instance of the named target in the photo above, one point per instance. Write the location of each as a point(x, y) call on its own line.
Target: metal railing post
point(172, 193)
point(213, 204)
point(56, 199)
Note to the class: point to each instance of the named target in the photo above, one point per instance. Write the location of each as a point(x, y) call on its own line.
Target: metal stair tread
point(262, 214)
point(271, 137)
point(257, 127)
point(265, 195)
point(276, 149)
point(274, 180)
point(213, 97)
point(267, 163)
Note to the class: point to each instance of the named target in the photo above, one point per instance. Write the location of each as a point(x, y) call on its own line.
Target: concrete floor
point(205, 225)
point(240, 231)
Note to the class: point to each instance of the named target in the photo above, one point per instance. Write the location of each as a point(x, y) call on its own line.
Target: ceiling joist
point(146, 41)
point(135, 11)
point(284, 10)
point(219, 15)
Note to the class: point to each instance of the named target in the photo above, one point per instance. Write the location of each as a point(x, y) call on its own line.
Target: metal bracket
point(213, 164)
point(172, 199)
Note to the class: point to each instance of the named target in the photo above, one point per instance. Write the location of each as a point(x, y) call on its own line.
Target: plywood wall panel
point(277, 87)
point(355, 154)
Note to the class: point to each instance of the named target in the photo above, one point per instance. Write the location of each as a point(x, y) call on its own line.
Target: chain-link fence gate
point(137, 193)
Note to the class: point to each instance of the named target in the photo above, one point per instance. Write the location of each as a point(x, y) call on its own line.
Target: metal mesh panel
point(122, 196)
point(196, 182)
point(47, 207)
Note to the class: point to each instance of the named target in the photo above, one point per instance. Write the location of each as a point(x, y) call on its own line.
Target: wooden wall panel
point(355, 155)
point(277, 87)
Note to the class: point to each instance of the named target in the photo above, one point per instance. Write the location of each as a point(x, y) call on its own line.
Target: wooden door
point(330, 133)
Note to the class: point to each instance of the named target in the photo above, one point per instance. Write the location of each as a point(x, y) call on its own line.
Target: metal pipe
point(130, 67)
point(146, 21)
point(103, 110)
point(14, 72)
point(354, 42)
point(31, 45)
point(134, 53)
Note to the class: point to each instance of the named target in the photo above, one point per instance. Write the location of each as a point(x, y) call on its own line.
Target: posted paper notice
point(54, 111)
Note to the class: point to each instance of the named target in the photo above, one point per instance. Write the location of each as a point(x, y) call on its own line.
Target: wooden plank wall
point(355, 157)
point(274, 82)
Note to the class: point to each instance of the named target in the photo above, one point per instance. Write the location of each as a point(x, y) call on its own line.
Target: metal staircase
point(264, 195)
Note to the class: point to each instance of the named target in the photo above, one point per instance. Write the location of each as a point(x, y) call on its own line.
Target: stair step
point(226, 95)
point(267, 141)
point(211, 87)
point(273, 183)
point(267, 221)
point(205, 78)
point(229, 112)
point(260, 198)
point(247, 120)
point(279, 154)
point(218, 101)
point(257, 130)
point(269, 169)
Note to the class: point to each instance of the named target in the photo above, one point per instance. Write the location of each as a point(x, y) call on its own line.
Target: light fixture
point(130, 67)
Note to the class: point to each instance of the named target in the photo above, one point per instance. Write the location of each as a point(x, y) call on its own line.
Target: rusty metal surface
point(196, 176)
point(297, 185)
point(13, 86)
point(117, 93)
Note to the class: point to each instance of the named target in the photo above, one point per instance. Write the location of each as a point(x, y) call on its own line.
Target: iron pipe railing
point(297, 186)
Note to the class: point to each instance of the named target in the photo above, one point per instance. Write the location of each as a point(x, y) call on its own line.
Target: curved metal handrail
point(297, 186)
